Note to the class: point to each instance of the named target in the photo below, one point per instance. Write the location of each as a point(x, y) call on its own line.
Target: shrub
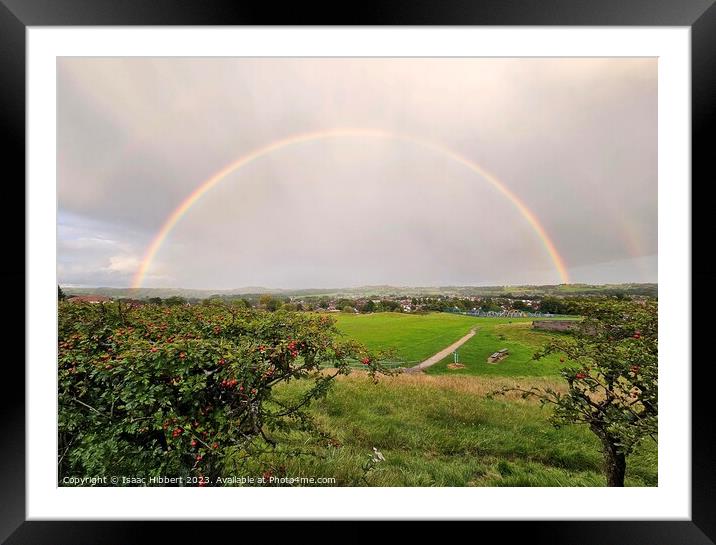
point(172, 390)
point(611, 370)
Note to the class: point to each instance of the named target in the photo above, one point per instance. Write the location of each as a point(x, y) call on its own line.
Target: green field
point(413, 336)
point(440, 428)
point(416, 337)
point(435, 428)
point(494, 334)
point(442, 431)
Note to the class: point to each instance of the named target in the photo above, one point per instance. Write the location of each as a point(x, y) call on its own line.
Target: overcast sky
point(574, 139)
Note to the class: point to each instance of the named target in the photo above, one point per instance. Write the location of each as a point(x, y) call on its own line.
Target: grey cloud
point(575, 139)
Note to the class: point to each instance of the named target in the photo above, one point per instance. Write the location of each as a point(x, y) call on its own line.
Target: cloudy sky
point(574, 140)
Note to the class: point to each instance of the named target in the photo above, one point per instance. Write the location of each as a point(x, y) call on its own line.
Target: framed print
point(409, 266)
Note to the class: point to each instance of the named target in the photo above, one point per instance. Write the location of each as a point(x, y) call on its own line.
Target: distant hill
point(378, 291)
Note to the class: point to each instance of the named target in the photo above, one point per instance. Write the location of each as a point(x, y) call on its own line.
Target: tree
point(187, 391)
point(60, 294)
point(553, 305)
point(155, 300)
point(518, 304)
point(270, 303)
point(387, 305)
point(611, 377)
point(174, 301)
point(240, 302)
point(488, 305)
point(344, 302)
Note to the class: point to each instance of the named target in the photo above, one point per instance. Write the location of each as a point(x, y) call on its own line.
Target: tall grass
point(443, 431)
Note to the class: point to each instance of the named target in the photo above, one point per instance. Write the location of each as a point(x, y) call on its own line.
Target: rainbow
point(244, 160)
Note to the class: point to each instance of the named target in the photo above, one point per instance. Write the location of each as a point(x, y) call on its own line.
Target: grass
point(439, 428)
point(518, 337)
point(414, 337)
point(443, 431)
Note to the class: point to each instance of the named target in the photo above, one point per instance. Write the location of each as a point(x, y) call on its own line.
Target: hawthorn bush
point(611, 370)
point(171, 390)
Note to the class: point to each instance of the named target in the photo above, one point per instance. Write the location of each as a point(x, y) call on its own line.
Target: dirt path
point(432, 360)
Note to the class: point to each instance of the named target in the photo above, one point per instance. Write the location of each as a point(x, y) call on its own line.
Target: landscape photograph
point(357, 272)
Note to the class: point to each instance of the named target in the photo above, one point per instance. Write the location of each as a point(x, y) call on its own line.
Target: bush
point(173, 390)
point(611, 371)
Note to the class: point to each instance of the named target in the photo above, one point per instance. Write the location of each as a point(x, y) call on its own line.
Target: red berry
point(365, 361)
point(199, 457)
point(580, 375)
point(215, 445)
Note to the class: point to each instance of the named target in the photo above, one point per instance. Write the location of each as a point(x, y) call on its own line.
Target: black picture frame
point(16, 15)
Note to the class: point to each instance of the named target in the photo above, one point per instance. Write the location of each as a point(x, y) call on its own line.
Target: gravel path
point(432, 360)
